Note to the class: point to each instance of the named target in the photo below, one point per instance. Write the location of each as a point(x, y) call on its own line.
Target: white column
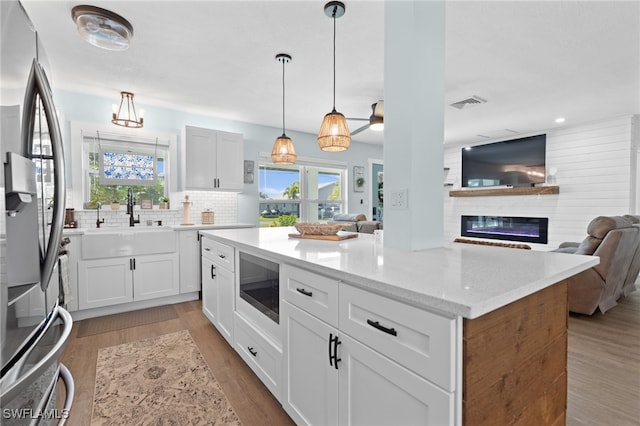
point(414, 123)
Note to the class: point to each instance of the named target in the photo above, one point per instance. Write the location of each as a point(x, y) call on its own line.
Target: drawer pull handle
point(213, 268)
point(207, 249)
point(252, 351)
point(221, 256)
point(305, 292)
point(376, 324)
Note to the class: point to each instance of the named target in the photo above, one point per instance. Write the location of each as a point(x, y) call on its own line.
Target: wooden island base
point(515, 362)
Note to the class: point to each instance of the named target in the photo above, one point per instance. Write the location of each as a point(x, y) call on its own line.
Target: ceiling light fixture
point(334, 133)
point(559, 120)
point(283, 151)
point(102, 28)
point(125, 115)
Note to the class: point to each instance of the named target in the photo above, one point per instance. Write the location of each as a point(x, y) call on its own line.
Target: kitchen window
point(308, 191)
point(112, 165)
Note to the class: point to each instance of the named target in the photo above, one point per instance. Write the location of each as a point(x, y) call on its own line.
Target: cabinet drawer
point(221, 254)
point(261, 356)
point(313, 293)
point(417, 339)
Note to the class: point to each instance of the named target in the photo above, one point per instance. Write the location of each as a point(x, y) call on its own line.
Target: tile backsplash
point(223, 204)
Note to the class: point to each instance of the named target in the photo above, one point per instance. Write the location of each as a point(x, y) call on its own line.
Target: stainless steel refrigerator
point(35, 328)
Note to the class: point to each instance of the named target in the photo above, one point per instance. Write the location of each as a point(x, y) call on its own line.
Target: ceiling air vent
point(468, 102)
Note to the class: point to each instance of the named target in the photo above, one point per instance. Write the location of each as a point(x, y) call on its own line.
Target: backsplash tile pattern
point(223, 204)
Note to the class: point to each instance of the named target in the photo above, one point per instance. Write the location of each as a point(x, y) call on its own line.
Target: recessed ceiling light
point(559, 120)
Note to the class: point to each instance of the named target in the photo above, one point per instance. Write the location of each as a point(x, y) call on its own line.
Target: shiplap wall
point(596, 173)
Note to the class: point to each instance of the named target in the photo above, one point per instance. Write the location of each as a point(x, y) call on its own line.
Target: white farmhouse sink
point(130, 241)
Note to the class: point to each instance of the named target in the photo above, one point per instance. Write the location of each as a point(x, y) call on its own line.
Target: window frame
point(79, 151)
point(304, 201)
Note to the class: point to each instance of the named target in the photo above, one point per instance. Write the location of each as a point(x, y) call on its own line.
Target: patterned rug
point(162, 380)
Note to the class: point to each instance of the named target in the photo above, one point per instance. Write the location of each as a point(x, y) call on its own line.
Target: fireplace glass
point(524, 229)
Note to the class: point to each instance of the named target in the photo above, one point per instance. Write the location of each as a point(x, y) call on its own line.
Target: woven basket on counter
point(207, 217)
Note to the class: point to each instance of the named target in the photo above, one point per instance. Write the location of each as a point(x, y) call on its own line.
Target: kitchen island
point(461, 334)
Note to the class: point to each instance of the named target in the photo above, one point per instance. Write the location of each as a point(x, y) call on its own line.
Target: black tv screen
point(516, 162)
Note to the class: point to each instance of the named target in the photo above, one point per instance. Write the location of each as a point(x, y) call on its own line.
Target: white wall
point(79, 107)
point(596, 173)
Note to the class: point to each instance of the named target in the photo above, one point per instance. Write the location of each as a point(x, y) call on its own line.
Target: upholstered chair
point(634, 269)
point(615, 240)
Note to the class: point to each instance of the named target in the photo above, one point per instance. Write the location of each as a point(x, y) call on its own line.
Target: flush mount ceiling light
point(102, 28)
point(334, 133)
point(283, 151)
point(125, 115)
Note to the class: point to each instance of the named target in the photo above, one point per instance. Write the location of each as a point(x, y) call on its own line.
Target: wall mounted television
point(516, 162)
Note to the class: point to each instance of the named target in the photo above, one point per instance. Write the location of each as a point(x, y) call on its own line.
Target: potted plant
point(115, 204)
point(163, 203)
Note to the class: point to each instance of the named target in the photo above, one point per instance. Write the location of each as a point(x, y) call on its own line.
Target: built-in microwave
point(258, 297)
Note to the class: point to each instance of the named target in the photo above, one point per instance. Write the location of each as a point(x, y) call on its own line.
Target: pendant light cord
point(335, 10)
point(283, 62)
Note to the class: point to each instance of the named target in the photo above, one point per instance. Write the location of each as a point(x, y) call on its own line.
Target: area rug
point(162, 380)
point(114, 322)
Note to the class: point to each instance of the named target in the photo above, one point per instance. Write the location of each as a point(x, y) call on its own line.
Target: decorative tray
point(334, 237)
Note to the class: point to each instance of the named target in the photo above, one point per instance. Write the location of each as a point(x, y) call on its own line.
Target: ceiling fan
point(376, 120)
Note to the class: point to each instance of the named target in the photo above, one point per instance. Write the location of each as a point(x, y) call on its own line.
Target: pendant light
point(283, 151)
point(334, 133)
point(125, 115)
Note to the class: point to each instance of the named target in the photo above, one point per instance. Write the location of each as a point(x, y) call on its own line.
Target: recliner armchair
point(634, 269)
point(615, 240)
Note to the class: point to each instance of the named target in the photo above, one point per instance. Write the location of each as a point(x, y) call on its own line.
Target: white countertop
point(459, 279)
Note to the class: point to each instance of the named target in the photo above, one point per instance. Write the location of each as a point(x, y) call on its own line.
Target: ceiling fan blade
point(361, 129)
point(357, 119)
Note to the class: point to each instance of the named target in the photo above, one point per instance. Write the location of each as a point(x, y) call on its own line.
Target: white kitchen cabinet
point(260, 354)
point(218, 286)
point(118, 280)
point(376, 390)
point(330, 377)
point(189, 249)
point(213, 160)
point(310, 391)
point(104, 282)
point(155, 276)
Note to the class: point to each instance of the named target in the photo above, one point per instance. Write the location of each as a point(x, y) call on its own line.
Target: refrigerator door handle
point(38, 369)
point(38, 84)
point(70, 387)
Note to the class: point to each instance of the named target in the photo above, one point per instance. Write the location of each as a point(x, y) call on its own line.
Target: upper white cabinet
point(213, 160)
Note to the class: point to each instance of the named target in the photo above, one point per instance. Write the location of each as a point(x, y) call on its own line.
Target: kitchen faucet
point(98, 221)
point(130, 203)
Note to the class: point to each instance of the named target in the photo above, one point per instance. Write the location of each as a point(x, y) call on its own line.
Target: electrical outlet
point(399, 198)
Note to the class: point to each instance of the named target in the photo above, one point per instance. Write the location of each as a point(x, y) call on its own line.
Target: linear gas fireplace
point(525, 229)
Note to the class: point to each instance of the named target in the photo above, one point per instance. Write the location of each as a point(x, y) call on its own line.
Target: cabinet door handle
point(134, 263)
point(252, 351)
point(207, 249)
point(213, 268)
point(333, 350)
point(305, 292)
point(376, 324)
point(222, 256)
point(131, 264)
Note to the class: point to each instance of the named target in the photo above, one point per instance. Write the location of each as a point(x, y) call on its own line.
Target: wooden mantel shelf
point(518, 190)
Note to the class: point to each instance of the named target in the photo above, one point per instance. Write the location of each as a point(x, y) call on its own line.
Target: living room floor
point(603, 366)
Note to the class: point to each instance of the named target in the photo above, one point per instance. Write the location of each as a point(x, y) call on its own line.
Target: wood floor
point(603, 367)
point(253, 403)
